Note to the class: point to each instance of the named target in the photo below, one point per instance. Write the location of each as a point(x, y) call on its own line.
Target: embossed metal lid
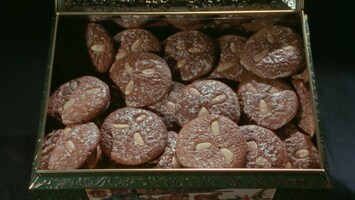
point(176, 5)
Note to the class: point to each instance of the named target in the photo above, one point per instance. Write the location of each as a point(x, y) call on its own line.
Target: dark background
point(25, 33)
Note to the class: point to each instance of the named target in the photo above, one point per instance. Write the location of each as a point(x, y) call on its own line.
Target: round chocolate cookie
point(93, 160)
point(186, 22)
point(229, 67)
point(265, 148)
point(274, 53)
point(49, 142)
point(190, 53)
point(168, 158)
point(205, 97)
point(133, 136)
point(167, 107)
point(256, 24)
point(79, 100)
point(132, 21)
point(307, 121)
point(211, 141)
point(72, 147)
point(268, 102)
point(100, 46)
point(302, 154)
point(144, 78)
point(135, 40)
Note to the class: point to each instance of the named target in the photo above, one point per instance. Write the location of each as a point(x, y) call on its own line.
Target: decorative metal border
point(174, 5)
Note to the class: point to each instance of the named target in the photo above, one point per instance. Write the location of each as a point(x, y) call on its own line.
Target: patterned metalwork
point(172, 5)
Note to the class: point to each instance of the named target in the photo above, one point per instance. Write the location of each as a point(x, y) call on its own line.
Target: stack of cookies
point(189, 100)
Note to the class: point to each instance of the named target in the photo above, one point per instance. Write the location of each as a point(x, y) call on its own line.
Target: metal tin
point(70, 184)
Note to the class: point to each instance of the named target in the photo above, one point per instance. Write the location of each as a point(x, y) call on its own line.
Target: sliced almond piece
point(121, 54)
point(204, 145)
point(68, 104)
point(274, 90)
point(138, 139)
point(203, 111)
point(180, 47)
point(263, 107)
point(70, 146)
point(262, 162)
point(228, 154)
point(48, 149)
point(250, 87)
point(128, 67)
point(129, 88)
point(181, 63)
point(215, 128)
point(289, 48)
point(233, 47)
point(141, 118)
point(224, 66)
point(136, 45)
point(171, 106)
point(194, 92)
point(302, 154)
point(148, 71)
point(253, 147)
point(93, 91)
point(194, 50)
point(270, 38)
point(288, 165)
point(66, 130)
point(120, 125)
point(219, 99)
point(99, 48)
point(73, 85)
point(260, 55)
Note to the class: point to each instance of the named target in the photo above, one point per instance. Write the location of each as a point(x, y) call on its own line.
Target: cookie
point(135, 40)
point(167, 107)
point(287, 130)
point(269, 103)
point(307, 122)
point(265, 148)
point(229, 67)
point(79, 100)
point(168, 158)
point(72, 148)
point(303, 76)
point(191, 54)
point(93, 160)
point(205, 97)
point(132, 21)
point(274, 52)
point(211, 141)
point(302, 154)
point(186, 22)
point(133, 136)
point(227, 21)
point(144, 78)
point(49, 142)
point(100, 46)
point(256, 24)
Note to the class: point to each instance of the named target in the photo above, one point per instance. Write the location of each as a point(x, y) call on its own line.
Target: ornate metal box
point(67, 55)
